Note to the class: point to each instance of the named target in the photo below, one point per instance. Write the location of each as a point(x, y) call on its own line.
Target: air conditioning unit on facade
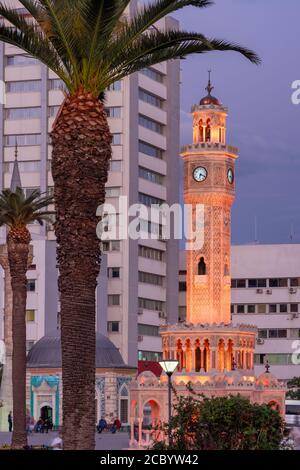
point(140, 338)
point(294, 316)
point(162, 314)
point(293, 290)
point(269, 291)
point(260, 341)
point(259, 291)
point(140, 311)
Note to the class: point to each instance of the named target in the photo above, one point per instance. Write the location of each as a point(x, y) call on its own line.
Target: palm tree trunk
point(18, 260)
point(81, 151)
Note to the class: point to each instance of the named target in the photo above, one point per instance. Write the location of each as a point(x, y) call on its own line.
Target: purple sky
point(263, 122)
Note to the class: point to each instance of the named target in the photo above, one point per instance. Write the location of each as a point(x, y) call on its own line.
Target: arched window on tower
point(201, 131)
point(208, 131)
point(220, 135)
point(201, 267)
point(124, 404)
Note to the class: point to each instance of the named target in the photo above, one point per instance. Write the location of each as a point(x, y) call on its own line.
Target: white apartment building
point(265, 292)
point(142, 275)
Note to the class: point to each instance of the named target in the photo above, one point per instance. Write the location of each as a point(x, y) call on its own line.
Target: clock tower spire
point(209, 181)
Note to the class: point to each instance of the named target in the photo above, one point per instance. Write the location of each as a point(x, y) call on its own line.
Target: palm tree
point(16, 212)
point(90, 44)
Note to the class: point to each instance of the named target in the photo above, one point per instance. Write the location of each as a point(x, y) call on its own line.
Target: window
point(113, 245)
point(22, 113)
point(241, 309)
point(113, 300)
point(116, 86)
point(238, 283)
point(261, 308)
point(150, 124)
point(149, 356)
point(29, 345)
point(57, 84)
point(263, 334)
point(294, 333)
point(150, 98)
point(280, 282)
point(52, 111)
point(182, 286)
point(295, 282)
point(276, 333)
point(113, 273)
point(231, 308)
point(114, 112)
point(150, 150)
point(31, 285)
point(22, 139)
point(252, 283)
point(153, 74)
point(294, 308)
point(149, 278)
point(29, 191)
point(116, 139)
point(150, 304)
point(148, 200)
point(30, 316)
point(21, 60)
point(151, 253)
point(272, 308)
point(251, 308)
point(112, 192)
point(150, 175)
point(259, 359)
point(201, 267)
point(124, 400)
point(24, 167)
point(148, 330)
point(182, 313)
point(283, 308)
point(115, 165)
point(23, 86)
point(113, 326)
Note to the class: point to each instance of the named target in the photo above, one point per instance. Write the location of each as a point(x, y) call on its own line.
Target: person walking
point(10, 421)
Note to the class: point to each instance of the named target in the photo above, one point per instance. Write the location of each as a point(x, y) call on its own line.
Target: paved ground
point(105, 441)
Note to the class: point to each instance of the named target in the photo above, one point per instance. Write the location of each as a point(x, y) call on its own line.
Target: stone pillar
point(140, 421)
point(131, 431)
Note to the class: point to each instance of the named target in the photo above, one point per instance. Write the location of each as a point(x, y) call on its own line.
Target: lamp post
point(169, 367)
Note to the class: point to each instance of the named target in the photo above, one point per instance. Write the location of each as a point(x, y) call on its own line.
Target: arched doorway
point(151, 414)
point(46, 412)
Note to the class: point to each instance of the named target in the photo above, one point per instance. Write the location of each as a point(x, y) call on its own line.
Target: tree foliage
point(223, 423)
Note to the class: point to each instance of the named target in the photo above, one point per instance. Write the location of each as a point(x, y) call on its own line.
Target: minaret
point(15, 178)
point(209, 181)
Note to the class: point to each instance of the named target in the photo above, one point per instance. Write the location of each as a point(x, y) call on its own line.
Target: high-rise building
point(143, 114)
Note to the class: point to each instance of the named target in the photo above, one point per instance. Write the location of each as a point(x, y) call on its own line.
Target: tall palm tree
point(16, 212)
point(90, 44)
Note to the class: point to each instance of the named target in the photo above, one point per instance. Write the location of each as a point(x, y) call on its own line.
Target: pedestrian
point(10, 421)
point(57, 443)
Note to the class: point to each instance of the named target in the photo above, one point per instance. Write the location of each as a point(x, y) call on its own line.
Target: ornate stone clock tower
point(209, 181)
point(215, 357)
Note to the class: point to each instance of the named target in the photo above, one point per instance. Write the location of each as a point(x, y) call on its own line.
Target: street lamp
point(169, 367)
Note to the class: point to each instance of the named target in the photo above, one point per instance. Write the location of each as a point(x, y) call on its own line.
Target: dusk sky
point(263, 123)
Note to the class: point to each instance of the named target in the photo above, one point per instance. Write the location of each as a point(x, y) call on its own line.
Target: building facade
point(143, 115)
point(265, 291)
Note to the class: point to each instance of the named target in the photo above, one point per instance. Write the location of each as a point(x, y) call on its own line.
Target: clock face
point(230, 175)
point(200, 174)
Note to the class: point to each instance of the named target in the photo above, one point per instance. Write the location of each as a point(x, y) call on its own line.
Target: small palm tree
point(16, 212)
point(90, 44)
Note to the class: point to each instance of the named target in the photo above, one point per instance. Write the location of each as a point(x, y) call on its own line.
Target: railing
point(210, 146)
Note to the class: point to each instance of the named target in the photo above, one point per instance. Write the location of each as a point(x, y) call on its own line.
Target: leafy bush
point(222, 423)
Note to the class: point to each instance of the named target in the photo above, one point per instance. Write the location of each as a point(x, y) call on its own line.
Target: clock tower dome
point(209, 171)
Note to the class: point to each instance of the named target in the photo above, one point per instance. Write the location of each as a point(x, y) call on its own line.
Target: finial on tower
point(209, 99)
point(15, 179)
point(209, 87)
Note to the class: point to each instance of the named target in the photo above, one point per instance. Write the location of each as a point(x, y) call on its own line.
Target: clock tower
point(209, 181)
